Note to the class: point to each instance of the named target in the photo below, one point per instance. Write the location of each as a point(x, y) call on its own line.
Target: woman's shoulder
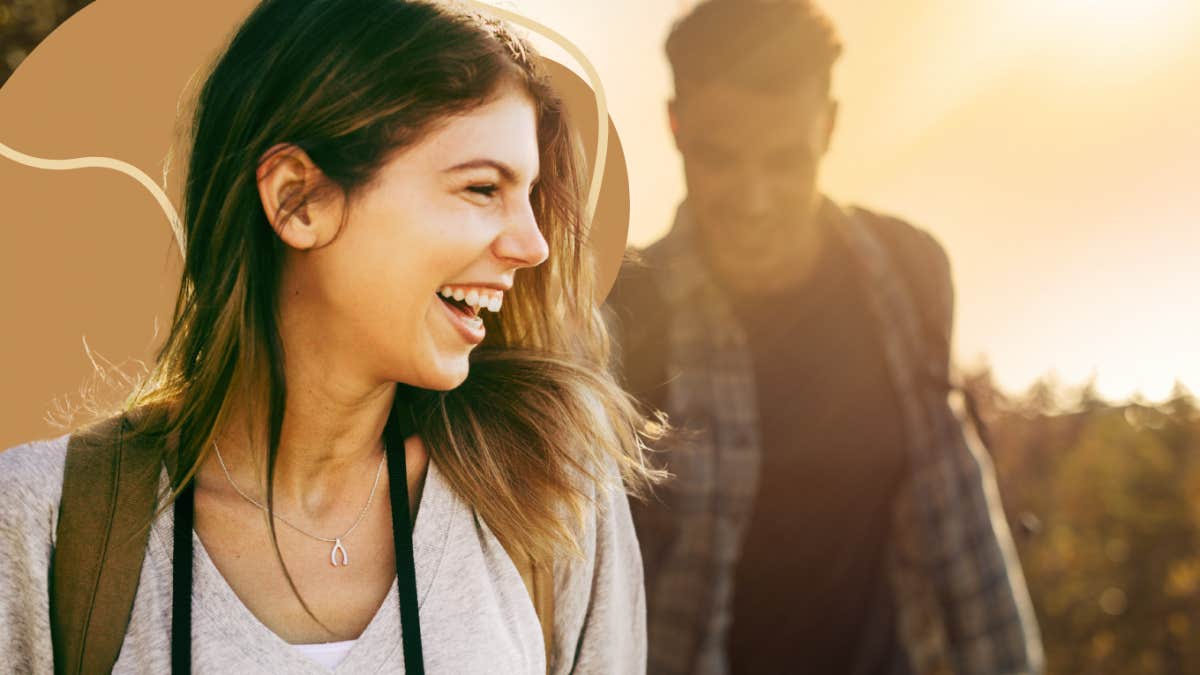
point(31, 477)
point(30, 484)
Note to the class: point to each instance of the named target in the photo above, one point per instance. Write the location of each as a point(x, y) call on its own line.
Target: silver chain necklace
point(338, 557)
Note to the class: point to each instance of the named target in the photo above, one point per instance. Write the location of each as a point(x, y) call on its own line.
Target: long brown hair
point(540, 421)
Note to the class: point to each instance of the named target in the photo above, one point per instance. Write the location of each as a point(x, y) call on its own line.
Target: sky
point(1052, 146)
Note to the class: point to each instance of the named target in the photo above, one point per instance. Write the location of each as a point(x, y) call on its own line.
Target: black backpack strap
point(108, 499)
point(924, 269)
point(637, 316)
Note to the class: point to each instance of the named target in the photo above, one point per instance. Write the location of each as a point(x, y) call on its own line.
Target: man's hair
point(762, 45)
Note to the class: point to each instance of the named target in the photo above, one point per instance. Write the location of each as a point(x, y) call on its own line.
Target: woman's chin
point(449, 374)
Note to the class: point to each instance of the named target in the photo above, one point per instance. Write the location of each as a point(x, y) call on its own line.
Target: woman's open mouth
point(460, 306)
point(465, 318)
point(465, 303)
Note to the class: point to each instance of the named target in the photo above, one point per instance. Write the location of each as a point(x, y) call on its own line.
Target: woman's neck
point(329, 448)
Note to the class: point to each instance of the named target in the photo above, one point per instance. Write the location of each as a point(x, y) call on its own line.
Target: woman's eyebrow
point(506, 171)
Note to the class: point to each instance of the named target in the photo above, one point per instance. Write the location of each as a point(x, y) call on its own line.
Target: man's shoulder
point(638, 315)
point(915, 254)
point(900, 236)
point(636, 292)
point(920, 261)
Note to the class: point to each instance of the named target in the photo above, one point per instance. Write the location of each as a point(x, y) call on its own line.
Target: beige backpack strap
point(539, 582)
point(108, 498)
point(543, 603)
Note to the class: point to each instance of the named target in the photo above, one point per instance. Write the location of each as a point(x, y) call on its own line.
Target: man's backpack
point(922, 266)
point(110, 493)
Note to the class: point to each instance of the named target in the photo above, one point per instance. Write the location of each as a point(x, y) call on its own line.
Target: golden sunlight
point(1117, 27)
point(1117, 13)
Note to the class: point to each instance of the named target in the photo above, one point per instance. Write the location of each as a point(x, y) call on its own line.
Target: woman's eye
point(485, 190)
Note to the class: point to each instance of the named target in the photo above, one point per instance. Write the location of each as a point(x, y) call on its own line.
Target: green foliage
point(1105, 503)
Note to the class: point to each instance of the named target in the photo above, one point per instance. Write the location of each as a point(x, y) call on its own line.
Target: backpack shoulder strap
point(539, 582)
point(924, 268)
point(637, 316)
point(109, 496)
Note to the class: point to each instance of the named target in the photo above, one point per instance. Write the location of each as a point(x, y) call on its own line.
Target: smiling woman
point(452, 211)
point(366, 177)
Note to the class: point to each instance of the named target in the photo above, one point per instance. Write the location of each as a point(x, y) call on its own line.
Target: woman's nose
point(522, 242)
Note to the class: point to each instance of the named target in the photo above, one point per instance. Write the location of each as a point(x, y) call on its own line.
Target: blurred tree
point(25, 23)
point(1105, 502)
point(1120, 525)
point(1086, 398)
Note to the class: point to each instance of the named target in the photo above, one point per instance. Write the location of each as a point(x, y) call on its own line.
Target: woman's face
point(448, 215)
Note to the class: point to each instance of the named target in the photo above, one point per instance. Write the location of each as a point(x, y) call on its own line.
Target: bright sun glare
point(1116, 35)
point(1135, 20)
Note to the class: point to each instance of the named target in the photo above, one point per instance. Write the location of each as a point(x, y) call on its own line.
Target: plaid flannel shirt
point(962, 604)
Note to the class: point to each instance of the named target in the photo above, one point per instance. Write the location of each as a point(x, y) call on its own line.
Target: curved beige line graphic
point(601, 103)
point(103, 163)
point(172, 214)
point(85, 253)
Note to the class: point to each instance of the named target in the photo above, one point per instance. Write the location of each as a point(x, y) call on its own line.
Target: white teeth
point(479, 299)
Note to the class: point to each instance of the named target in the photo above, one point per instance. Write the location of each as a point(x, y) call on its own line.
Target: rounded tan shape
point(88, 260)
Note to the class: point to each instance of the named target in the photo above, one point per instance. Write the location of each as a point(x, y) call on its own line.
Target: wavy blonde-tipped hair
point(531, 433)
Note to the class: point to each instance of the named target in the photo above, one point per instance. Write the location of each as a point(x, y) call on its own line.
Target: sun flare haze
point(1050, 145)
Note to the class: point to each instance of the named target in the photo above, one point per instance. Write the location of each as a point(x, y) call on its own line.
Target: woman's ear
point(287, 178)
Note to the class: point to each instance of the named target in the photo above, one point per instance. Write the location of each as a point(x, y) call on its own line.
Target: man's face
point(751, 161)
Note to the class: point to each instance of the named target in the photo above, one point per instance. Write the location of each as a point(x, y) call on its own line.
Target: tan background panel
point(88, 255)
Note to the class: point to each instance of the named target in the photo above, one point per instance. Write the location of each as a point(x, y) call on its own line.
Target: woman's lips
point(469, 327)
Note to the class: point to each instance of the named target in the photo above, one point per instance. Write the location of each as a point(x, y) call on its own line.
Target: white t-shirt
point(476, 615)
point(328, 654)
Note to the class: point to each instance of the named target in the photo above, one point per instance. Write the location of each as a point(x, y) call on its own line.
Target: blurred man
point(829, 513)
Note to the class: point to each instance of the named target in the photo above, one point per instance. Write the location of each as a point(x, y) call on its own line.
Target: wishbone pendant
point(333, 554)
